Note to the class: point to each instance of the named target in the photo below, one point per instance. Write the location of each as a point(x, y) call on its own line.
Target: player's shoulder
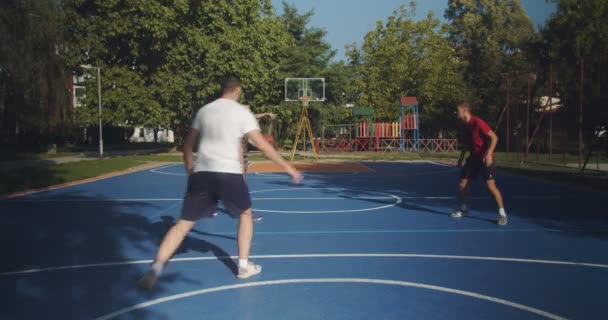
point(215, 104)
point(478, 120)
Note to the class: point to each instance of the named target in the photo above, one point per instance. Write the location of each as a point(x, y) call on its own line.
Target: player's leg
point(234, 193)
point(469, 172)
point(256, 216)
point(245, 236)
point(198, 203)
point(463, 198)
point(172, 240)
point(491, 184)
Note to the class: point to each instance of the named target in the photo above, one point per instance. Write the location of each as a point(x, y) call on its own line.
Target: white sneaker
point(251, 270)
point(459, 214)
point(502, 220)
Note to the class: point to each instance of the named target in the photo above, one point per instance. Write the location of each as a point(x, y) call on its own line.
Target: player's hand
point(459, 163)
point(189, 171)
point(296, 177)
point(488, 160)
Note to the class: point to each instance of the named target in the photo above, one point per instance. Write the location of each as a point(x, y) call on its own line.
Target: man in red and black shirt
point(480, 141)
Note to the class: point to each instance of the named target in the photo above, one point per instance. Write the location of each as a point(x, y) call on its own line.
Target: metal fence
point(387, 145)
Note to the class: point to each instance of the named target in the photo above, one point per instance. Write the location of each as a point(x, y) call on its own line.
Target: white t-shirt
point(222, 124)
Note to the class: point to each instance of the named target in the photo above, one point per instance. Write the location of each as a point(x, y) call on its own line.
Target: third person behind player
point(481, 142)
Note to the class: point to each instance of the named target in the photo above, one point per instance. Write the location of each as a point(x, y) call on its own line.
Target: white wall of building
point(147, 135)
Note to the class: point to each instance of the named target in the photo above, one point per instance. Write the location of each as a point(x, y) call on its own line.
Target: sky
point(347, 21)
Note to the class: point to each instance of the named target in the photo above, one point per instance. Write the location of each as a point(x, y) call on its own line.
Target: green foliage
point(340, 89)
point(311, 54)
point(578, 32)
point(492, 38)
point(33, 78)
point(162, 60)
point(403, 57)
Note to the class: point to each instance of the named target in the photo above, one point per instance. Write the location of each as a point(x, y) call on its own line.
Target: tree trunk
point(2, 90)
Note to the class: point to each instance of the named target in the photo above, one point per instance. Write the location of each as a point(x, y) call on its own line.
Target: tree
point(403, 57)
point(576, 33)
point(33, 77)
point(311, 54)
point(491, 36)
point(170, 58)
point(338, 78)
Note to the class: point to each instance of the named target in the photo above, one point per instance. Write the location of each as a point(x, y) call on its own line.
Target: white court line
point(333, 232)
point(396, 198)
point(368, 175)
point(332, 280)
point(156, 170)
point(314, 256)
point(441, 164)
point(388, 197)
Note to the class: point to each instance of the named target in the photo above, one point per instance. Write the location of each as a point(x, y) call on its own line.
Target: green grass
point(9, 155)
point(593, 180)
point(161, 157)
point(123, 146)
point(38, 177)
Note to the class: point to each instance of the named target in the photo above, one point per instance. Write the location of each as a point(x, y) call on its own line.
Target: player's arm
point(466, 148)
point(493, 142)
point(268, 150)
point(188, 147)
point(242, 157)
point(461, 158)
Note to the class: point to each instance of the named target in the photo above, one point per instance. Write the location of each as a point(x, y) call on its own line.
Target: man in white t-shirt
point(217, 175)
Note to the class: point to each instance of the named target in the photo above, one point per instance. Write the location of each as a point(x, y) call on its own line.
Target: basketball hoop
point(304, 90)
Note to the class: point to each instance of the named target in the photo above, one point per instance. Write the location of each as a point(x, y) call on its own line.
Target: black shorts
point(475, 166)
point(206, 189)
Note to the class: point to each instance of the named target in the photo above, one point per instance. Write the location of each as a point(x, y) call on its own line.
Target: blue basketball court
point(376, 245)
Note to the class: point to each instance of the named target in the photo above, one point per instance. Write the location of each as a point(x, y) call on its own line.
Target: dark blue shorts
point(206, 189)
point(474, 167)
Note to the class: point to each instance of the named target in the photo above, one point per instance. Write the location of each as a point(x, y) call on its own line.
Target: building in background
point(77, 96)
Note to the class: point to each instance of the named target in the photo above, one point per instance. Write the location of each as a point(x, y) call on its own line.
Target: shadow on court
point(201, 246)
point(568, 210)
point(83, 230)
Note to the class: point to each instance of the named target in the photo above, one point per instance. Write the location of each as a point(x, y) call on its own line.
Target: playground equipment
point(395, 136)
point(410, 122)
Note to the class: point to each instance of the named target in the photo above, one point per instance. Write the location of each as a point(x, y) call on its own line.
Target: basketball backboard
point(313, 88)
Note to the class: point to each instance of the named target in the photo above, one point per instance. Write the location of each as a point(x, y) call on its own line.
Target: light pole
point(99, 105)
